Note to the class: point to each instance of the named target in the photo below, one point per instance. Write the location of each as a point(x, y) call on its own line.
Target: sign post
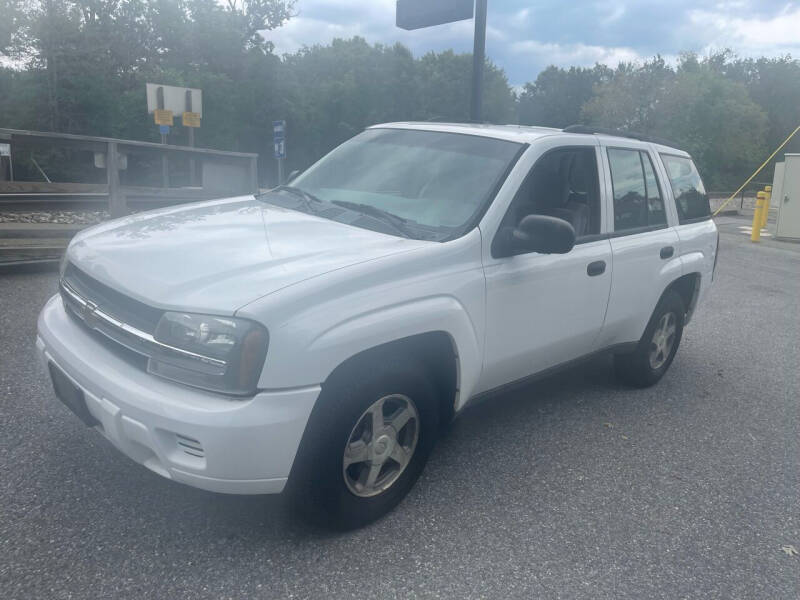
point(191, 120)
point(416, 14)
point(165, 101)
point(279, 145)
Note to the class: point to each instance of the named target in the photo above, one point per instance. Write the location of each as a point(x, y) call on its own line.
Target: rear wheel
point(646, 365)
point(366, 443)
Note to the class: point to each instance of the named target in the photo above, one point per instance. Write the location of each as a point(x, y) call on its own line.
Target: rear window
point(691, 199)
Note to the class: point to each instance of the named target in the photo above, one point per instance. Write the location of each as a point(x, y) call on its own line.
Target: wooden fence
point(221, 173)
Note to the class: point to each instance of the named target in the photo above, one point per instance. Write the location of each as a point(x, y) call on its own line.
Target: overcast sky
point(523, 37)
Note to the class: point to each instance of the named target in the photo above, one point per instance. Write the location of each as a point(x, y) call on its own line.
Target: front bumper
point(235, 446)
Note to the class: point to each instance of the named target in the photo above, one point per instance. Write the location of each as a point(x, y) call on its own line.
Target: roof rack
point(591, 130)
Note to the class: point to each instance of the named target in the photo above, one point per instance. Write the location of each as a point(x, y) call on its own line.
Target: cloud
point(768, 35)
point(523, 37)
point(579, 55)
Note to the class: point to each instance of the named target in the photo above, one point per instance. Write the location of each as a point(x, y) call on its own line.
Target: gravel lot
point(575, 487)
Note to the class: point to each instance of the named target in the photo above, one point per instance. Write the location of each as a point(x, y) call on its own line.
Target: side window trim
point(664, 185)
point(646, 154)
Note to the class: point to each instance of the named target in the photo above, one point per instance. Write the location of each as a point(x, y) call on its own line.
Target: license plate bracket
point(71, 395)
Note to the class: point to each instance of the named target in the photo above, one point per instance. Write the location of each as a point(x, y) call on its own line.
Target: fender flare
point(369, 330)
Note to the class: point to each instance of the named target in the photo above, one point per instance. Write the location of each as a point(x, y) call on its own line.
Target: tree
point(557, 96)
point(630, 98)
point(694, 105)
point(716, 121)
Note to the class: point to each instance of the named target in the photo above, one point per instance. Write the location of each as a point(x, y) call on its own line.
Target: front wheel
point(366, 443)
point(646, 365)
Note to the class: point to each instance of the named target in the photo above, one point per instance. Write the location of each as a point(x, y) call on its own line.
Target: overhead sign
point(416, 14)
point(5, 149)
point(162, 117)
point(191, 119)
point(176, 99)
point(279, 138)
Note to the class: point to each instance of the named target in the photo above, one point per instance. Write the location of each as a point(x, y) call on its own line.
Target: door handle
point(667, 252)
point(598, 267)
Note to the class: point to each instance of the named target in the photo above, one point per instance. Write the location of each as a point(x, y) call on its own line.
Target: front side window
point(691, 199)
point(638, 202)
point(563, 183)
point(434, 182)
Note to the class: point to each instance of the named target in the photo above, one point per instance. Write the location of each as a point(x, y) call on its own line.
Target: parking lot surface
point(574, 487)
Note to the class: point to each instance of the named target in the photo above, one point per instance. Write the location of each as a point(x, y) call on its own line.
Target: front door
point(544, 310)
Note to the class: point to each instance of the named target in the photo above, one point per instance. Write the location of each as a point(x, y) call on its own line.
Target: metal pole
point(116, 197)
point(478, 53)
point(164, 165)
point(280, 171)
point(192, 168)
point(188, 97)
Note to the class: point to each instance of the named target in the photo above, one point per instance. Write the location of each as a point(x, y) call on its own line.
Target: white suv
point(318, 336)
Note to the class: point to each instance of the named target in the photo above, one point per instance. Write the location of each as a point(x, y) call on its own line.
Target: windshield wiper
point(399, 223)
point(309, 200)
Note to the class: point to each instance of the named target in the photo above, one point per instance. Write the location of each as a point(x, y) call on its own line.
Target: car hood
point(218, 256)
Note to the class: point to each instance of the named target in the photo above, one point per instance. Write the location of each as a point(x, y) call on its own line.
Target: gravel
point(71, 217)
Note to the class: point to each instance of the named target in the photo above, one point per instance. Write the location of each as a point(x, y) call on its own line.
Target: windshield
point(434, 181)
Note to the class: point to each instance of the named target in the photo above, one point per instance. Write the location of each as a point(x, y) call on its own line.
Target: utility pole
point(478, 59)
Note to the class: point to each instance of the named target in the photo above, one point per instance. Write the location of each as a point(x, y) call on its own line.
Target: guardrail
point(221, 173)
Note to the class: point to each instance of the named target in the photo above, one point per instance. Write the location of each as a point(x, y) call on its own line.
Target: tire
point(639, 368)
point(330, 494)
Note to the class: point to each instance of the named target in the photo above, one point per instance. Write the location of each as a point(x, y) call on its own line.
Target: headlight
point(221, 354)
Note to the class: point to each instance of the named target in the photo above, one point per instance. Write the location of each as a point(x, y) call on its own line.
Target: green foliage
point(557, 96)
point(696, 105)
point(80, 66)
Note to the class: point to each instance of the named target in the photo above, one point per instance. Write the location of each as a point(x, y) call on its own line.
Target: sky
point(524, 37)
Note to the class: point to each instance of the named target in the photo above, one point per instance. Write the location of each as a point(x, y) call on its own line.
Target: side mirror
point(537, 233)
point(292, 175)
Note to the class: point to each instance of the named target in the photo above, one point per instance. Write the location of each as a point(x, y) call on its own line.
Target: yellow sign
point(162, 117)
point(191, 119)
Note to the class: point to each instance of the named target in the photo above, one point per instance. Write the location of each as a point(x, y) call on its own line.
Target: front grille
point(112, 302)
point(127, 325)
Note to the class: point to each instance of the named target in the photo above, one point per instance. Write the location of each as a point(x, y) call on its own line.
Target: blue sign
point(279, 138)
point(280, 148)
point(163, 129)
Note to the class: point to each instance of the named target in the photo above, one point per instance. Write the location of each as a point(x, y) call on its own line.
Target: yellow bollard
point(756, 234)
point(767, 199)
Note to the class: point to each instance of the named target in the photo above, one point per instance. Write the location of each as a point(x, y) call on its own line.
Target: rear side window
point(691, 199)
point(638, 202)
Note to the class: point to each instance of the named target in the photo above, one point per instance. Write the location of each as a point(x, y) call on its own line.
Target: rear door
point(695, 227)
point(644, 244)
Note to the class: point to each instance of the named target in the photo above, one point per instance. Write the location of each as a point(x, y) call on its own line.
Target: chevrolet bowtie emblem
point(88, 311)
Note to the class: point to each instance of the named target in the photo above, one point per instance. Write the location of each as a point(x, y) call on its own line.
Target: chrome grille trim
point(116, 330)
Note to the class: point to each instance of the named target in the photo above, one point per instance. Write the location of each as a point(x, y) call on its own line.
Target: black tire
point(317, 483)
point(635, 368)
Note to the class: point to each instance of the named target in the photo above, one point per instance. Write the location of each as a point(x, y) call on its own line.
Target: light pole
point(478, 53)
point(416, 14)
